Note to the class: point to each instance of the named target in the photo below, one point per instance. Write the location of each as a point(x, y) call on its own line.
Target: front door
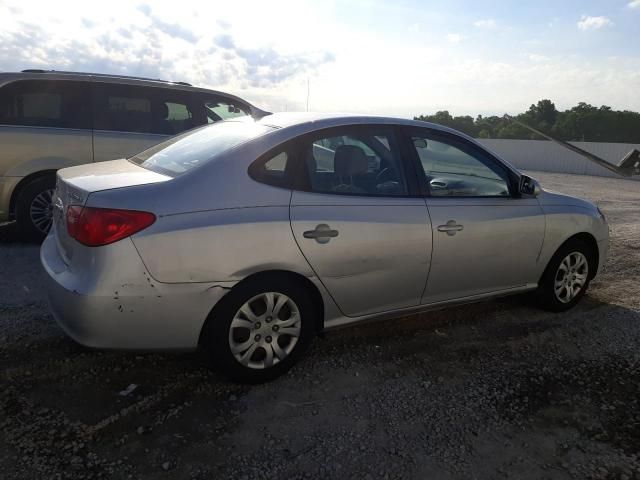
point(486, 238)
point(365, 237)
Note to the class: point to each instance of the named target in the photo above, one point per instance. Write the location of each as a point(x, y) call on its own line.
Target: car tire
point(260, 329)
point(567, 276)
point(33, 208)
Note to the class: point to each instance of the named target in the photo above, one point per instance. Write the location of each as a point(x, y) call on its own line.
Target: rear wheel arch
point(270, 275)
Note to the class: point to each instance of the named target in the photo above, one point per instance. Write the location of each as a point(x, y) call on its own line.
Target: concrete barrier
point(548, 156)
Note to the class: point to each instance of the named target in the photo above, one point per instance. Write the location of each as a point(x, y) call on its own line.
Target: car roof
point(300, 123)
point(36, 74)
point(318, 120)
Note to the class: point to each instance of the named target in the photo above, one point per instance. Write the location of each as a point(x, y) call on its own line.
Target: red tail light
point(100, 226)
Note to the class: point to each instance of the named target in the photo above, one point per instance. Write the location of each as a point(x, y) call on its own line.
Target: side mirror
point(529, 186)
point(420, 143)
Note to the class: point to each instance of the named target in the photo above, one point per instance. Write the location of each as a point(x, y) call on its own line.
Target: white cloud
point(207, 47)
point(634, 4)
point(485, 23)
point(535, 57)
point(593, 23)
point(217, 45)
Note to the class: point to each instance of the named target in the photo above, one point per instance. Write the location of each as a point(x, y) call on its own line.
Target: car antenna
point(627, 167)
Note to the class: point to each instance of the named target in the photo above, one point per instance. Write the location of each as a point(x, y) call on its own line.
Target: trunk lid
point(75, 184)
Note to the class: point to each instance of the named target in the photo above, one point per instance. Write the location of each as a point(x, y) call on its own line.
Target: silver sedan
point(247, 238)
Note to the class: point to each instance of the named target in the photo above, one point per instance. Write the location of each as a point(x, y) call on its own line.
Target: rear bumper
point(7, 186)
point(121, 307)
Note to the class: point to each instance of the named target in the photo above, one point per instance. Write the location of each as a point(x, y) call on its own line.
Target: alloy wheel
point(41, 210)
point(265, 330)
point(571, 277)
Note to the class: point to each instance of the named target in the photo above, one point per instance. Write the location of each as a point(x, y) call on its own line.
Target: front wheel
point(260, 329)
point(567, 277)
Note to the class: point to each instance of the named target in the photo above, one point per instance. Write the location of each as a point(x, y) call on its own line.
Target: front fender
point(565, 221)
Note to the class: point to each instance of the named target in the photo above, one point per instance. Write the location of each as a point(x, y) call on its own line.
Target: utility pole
point(307, 94)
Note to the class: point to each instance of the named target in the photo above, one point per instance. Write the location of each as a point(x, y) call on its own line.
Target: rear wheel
point(260, 329)
point(34, 208)
point(567, 277)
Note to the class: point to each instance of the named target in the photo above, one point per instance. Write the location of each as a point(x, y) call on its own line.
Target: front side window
point(192, 149)
point(363, 161)
point(455, 169)
point(217, 109)
point(40, 103)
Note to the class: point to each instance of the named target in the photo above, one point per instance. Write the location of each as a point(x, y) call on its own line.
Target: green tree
point(544, 113)
point(583, 122)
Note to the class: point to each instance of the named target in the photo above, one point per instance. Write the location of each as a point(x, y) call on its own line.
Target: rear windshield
point(191, 149)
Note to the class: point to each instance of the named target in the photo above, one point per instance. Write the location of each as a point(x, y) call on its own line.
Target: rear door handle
point(322, 234)
point(450, 228)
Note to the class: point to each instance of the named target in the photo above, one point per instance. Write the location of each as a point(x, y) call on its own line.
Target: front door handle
point(450, 228)
point(322, 234)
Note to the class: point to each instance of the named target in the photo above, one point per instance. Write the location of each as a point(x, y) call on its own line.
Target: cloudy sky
point(398, 57)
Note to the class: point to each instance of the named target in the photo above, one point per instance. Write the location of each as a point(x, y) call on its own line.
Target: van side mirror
point(529, 186)
point(420, 143)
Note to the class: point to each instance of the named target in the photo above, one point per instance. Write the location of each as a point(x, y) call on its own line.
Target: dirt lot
point(493, 390)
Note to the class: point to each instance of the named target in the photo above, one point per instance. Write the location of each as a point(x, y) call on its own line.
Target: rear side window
point(126, 108)
point(273, 169)
point(354, 161)
point(52, 103)
point(192, 149)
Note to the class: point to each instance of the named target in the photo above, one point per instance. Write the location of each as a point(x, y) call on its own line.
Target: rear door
point(357, 221)
point(129, 119)
point(486, 238)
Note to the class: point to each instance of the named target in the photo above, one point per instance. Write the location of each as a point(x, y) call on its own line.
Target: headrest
point(161, 110)
point(350, 160)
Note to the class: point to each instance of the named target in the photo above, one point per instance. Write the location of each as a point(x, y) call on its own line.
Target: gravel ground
point(485, 391)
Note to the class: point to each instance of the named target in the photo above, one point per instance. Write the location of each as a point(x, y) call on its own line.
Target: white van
point(51, 120)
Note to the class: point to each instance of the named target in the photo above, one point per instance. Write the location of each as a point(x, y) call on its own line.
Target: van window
point(127, 108)
point(217, 109)
point(48, 103)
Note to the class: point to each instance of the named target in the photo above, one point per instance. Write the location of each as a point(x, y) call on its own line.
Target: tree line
point(583, 122)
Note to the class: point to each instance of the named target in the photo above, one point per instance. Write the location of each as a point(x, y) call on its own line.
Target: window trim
point(486, 158)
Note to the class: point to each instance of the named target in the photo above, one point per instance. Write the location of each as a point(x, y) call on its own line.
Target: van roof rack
point(107, 75)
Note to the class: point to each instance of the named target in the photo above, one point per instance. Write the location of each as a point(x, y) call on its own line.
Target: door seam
point(309, 263)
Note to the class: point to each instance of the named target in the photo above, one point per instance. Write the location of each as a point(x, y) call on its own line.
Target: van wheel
point(567, 277)
point(34, 208)
point(260, 329)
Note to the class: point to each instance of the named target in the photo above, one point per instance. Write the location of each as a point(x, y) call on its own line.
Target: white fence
point(547, 156)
